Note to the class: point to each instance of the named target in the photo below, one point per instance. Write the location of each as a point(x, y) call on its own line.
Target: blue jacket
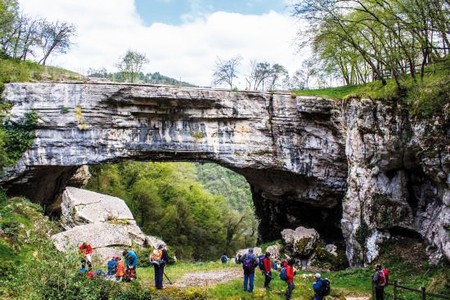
point(112, 266)
point(131, 259)
point(317, 287)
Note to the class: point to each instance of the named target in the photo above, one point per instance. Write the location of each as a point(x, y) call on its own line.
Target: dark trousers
point(379, 293)
point(290, 288)
point(159, 273)
point(267, 279)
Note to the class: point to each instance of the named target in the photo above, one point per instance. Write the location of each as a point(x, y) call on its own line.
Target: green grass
point(26, 71)
point(354, 282)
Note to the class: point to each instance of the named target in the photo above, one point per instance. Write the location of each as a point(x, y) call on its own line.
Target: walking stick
point(167, 277)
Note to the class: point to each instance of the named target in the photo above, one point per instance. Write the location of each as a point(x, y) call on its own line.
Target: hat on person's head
point(317, 275)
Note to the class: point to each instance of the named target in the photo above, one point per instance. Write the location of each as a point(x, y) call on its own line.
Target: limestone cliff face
point(354, 170)
point(398, 182)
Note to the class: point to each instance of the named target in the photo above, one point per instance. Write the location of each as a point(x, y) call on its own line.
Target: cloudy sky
point(181, 38)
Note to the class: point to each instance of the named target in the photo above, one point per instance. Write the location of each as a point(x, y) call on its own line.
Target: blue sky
point(181, 39)
point(175, 12)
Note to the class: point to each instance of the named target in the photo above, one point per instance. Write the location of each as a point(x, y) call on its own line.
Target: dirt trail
point(207, 278)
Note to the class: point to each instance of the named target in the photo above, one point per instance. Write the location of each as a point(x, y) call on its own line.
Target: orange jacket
point(120, 268)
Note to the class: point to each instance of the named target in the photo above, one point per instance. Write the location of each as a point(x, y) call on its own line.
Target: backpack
point(386, 275)
point(261, 262)
point(283, 274)
point(249, 262)
point(381, 278)
point(325, 289)
point(156, 257)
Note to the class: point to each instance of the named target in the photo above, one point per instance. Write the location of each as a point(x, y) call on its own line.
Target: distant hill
point(150, 78)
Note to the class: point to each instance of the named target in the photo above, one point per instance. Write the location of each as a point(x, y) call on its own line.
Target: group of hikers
point(119, 269)
point(250, 262)
point(125, 270)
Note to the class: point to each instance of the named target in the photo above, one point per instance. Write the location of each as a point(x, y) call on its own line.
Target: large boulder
point(104, 221)
point(301, 242)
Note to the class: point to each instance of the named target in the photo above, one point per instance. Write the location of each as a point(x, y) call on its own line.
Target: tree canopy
point(362, 40)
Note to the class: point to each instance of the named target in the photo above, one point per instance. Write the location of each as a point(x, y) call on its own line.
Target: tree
point(54, 37)
point(131, 64)
point(265, 76)
point(8, 16)
point(226, 71)
point(390, 37)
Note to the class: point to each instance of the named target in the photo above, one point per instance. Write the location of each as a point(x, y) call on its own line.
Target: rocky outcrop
point(301, 242)
point(356, 170)
point(103, 221)
point(399, 179)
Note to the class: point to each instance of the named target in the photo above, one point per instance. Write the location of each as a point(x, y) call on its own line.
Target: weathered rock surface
point(300, 242)
point(399, 179)
point(103, 221)
point(358, 170)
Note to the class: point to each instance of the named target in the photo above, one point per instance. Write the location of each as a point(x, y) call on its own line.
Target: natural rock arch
point(301, 155)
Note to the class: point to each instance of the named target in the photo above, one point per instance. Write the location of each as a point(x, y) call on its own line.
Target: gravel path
point(207, 278)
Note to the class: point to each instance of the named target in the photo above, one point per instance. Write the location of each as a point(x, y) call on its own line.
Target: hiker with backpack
point(379, 282)
point(249, 263)
point(224, 258)
point(290, 272)
point(321, 287)
point(159, 258)
point(85, 249)
point(265, 264)
point(131, 261)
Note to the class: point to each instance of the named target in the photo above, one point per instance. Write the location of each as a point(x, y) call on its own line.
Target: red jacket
point(290, 273)
point(267, 264)
point(85, 249)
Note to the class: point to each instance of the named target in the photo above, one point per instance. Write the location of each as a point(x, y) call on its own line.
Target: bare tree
point(259, 74)
point(226, 71)
point(54, 37)
point(131, 64)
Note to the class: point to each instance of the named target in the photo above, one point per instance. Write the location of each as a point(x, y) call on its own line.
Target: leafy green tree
point(8, 16)
point(131, 64)
point(390, 37)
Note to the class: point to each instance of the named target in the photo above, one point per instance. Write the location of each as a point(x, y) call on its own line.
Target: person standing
point(249, 263)
point(159, 258)
point(86, 251)
point(120, 269)
point(131, 261)
point(379, 282)
point(267, 263)
point(317, 287)
point(290, 272)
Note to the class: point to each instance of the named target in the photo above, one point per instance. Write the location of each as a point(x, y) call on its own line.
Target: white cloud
point(187, 52)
